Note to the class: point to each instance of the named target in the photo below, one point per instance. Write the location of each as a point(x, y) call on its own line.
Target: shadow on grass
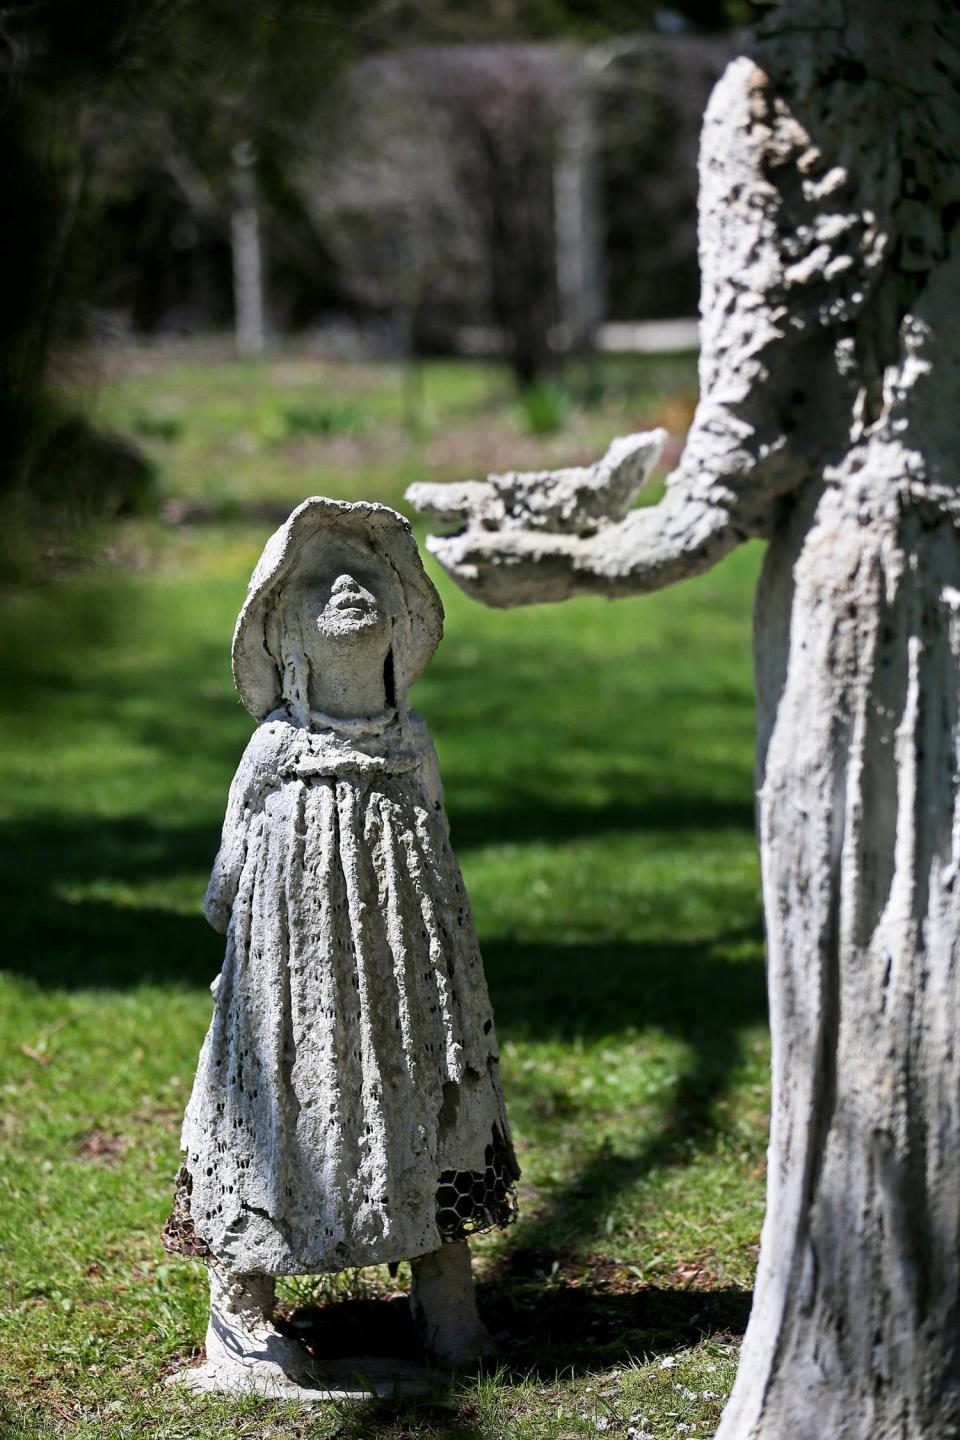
point(534, 818)
point(72, 919)
point(542, 1327)
point(580, 1326)
point(67, 922)
point(693, 991)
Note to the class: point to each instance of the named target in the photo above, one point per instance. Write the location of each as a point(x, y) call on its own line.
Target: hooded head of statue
point(339, 592)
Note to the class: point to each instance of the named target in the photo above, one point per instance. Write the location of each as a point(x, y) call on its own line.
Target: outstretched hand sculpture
point(830, 390)
point(551, 526)
point(525, 538)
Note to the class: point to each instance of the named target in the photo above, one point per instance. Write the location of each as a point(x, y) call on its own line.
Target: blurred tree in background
point(54, 58)
point(148, 157)
point(111, 105)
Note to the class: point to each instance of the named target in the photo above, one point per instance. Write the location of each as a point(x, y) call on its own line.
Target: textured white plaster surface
point(347, 1108)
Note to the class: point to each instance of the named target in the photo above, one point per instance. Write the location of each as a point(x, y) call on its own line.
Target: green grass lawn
point(597, 761)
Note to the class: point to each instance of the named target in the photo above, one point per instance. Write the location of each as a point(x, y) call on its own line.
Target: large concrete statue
point(828, 424)
point(346, 1109)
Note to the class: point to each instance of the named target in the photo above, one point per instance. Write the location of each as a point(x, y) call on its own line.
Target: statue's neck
point(349, 694)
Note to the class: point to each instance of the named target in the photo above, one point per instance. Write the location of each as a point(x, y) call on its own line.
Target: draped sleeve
point(257, 773)
point(429, 764)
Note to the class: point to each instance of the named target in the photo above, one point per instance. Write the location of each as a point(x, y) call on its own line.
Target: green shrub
point(82, 473)
point(157, 427)
point(323, 419)
point(544, 407)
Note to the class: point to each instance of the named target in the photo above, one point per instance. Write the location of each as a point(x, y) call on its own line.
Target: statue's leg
point(241, 1333)
point(444, 1306)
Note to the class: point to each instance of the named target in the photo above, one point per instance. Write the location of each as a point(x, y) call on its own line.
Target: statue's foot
point(444, 1309)
point(461, 1348)
point(260, 1355)
point(269, 1365)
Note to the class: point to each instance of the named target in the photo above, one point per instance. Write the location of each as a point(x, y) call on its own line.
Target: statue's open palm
point(545, 524)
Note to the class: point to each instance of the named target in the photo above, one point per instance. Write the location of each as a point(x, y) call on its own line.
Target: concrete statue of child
point(346, 1109)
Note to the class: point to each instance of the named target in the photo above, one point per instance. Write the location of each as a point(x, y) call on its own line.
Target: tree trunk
point(249, 327)
point(577, 220)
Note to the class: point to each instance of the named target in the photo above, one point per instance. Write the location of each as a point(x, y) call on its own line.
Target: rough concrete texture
point(830, 372)
point(247, 1355)
point(444, 1307)
point(346, 1109)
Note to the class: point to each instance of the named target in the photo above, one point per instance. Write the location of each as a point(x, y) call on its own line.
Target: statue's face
point(345, 604)
point(347, 595)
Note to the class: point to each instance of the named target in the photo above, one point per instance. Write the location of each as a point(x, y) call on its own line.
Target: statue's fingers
point(454, 503)
point(453, 554)
point(628, 464)
point(636, 454)
point(473, 560)
point(507, 568)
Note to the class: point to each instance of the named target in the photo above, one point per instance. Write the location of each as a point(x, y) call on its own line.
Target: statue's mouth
point(350, 609)
point(350, 602)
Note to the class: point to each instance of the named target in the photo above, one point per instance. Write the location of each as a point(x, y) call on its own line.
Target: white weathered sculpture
point(346, 1109)
point(828, 422)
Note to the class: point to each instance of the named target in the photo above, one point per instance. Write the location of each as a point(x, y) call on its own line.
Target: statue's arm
point(678, 537)
point(722, 493)
point(257, 771)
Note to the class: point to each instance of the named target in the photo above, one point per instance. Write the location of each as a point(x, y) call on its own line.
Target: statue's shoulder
point(417, 733)
point(271, 749)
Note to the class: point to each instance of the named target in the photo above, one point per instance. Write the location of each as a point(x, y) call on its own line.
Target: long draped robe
point(346, 1108)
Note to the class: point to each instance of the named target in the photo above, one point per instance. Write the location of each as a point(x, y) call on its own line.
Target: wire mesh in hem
point(469, 1201)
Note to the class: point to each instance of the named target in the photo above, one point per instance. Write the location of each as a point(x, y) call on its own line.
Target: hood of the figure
point(256, 672)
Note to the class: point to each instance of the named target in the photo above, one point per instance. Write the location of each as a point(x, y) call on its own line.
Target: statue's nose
point(343, 582)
